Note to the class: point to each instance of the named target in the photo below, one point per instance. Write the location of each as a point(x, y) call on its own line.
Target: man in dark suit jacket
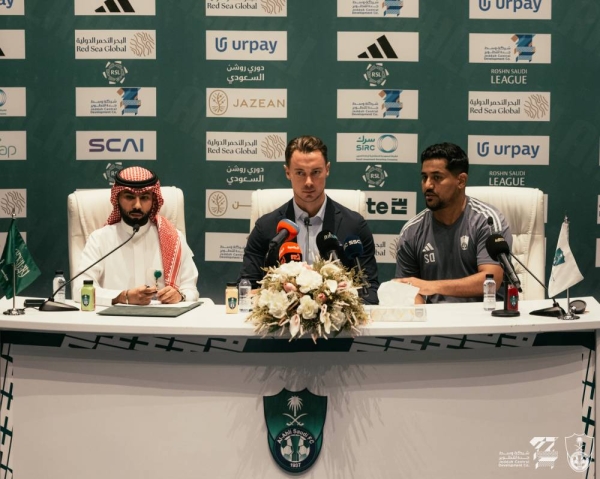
point(307, 168)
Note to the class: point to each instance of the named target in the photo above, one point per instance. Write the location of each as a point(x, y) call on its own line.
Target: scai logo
point(116, 145)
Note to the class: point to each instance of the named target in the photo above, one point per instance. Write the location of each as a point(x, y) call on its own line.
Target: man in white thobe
point(155, 263)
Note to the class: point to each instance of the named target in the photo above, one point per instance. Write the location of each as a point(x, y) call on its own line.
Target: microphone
point(290, 252)
point(353, 249)
point(498, 249)
point(328, 245)
point(51, 305)
point(287, 230)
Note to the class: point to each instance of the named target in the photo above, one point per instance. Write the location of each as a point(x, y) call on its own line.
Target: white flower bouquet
point(305, 299)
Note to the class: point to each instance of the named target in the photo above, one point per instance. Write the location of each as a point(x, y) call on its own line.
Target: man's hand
point(140, 295)
point(169, 295)
point(426, 288)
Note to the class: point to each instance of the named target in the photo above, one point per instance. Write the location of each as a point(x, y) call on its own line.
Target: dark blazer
point(338, 219)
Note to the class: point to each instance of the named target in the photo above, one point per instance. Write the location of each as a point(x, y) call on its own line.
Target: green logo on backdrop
point(295, 423)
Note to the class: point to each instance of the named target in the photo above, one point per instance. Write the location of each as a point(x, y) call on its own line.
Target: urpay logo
point(12, 7)
point(511, 9)
point(246, 45)
point(509, 150)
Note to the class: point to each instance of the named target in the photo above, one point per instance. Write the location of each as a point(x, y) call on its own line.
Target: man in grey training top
point(442, 249)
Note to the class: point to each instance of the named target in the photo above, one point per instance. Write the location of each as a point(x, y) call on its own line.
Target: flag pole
point(14, 311)
point(569, 315)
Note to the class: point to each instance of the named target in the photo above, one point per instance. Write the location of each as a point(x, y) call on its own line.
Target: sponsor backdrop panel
point(208, 93)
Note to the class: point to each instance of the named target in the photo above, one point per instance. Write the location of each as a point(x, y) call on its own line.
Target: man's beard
point(134, 221)
point(437, 206)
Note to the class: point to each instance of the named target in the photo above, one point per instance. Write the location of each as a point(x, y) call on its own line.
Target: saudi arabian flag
point(16, 254)
point(565, 272)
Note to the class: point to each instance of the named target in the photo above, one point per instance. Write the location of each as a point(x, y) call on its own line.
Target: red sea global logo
point(12, 201)
point(272, 146)
point(273, 6)
point(537, 106)
point(142, 44)
point(218, 102)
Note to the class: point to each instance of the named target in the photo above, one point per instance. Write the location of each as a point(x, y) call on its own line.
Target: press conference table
point(83, 404)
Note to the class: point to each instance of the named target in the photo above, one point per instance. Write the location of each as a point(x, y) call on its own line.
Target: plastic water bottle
point(244, 294)
point(489, 293)
point(57, 282)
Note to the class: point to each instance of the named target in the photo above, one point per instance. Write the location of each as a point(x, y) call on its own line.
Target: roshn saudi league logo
point(295, 422)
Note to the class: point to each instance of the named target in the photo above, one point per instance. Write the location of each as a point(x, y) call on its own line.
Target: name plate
point(404, 314)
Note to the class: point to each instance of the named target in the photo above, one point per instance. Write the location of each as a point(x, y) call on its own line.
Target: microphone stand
point(555, 310)
point(51, 305)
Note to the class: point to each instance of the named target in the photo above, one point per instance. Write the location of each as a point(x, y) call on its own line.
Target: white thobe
point(132, 265)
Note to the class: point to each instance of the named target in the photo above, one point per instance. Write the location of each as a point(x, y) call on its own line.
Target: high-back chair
point(265, 201)
point(88, 210)
point(523, 209)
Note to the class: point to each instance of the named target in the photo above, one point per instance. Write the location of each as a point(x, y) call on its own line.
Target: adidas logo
point(112, 7)
point(428, 248)
point(379, 49)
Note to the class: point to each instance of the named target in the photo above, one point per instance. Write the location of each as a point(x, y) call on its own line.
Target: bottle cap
point(88, 281)
point(489, 276)
point(59, 271)
point(231, 284)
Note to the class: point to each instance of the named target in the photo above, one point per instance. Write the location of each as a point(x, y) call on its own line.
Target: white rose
point(308, 280)
point(293, 268)
point(308, 307)
point(330, 270)
point(276, 301)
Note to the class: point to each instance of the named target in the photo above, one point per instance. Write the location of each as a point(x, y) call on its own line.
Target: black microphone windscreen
point(327, 242)
point(353, 247)
point(136, 227)
point(495, 245)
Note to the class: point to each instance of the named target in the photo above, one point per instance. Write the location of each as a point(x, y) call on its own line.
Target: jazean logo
point(295, 422)
point(376, 74)
point(246, 103)
point(115, 72)
point(579, 451)
point(374, 176)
